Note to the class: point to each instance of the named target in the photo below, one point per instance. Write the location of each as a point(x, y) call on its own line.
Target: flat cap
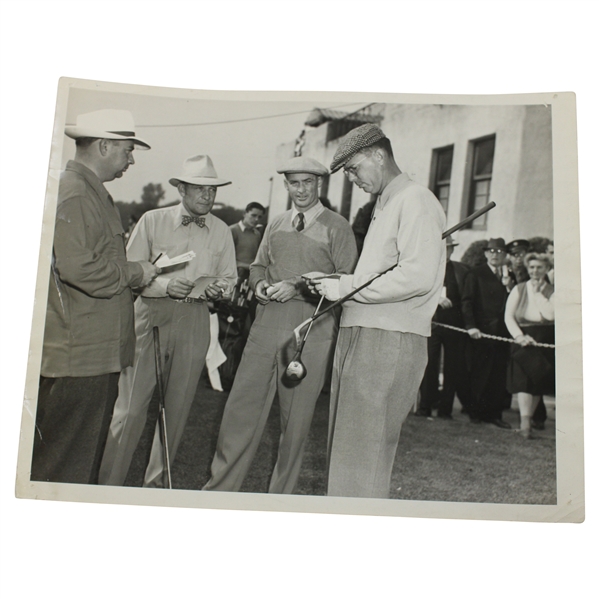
point(303, 164)
point(517, 245)
point(357, 139)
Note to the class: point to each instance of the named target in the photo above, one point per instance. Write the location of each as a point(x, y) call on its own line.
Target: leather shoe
point(539, 426)
point(501, 423)
point(423, 412)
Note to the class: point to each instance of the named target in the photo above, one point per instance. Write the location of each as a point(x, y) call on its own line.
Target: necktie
point(498, 273)
point(200, 221)
point(299, 225)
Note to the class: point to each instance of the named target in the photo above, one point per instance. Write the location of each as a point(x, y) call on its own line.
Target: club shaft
point(457, 227)
point(160, 385)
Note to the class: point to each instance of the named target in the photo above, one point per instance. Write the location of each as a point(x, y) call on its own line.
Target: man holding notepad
point(195, 252)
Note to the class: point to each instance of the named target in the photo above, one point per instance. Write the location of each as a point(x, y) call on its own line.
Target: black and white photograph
point(118, 116)
point(343, 296)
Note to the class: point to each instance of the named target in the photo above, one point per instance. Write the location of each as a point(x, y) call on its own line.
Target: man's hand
point(150, 272)
point(282, 291)
point(329, 288)
point(261, 292)
point(180, 288)
point(215, 290)
point(445, 303)
point(474, 333)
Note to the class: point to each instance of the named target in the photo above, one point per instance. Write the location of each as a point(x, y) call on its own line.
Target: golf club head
point(296, 371)
point(297, 332)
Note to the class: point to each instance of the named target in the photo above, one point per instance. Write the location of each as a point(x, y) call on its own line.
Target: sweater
point(406, 231)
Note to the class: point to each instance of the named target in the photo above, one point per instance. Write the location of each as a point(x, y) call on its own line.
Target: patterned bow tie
point(200, 221)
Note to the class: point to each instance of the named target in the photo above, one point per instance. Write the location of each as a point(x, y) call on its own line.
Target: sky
point(179, 127)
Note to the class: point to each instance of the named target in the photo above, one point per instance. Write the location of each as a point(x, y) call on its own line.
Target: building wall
point(521, 183)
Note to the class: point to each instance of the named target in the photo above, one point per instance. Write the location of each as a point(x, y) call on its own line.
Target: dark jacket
point(483, 301)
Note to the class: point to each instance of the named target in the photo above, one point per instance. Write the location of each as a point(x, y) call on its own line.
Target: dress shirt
point(89, 320)
point(309, 216)
point(161, 232)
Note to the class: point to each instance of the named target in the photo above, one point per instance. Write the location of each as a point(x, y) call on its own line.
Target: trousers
point(376, 375)
point(71, 425)
point(184, 340)
point(260, 376)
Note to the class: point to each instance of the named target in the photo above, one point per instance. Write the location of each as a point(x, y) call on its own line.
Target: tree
point(151, 195)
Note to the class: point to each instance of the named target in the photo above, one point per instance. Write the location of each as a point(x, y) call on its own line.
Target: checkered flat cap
point(356, 140)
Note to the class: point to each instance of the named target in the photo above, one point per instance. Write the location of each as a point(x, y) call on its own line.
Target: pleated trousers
point(376, 375)
point(260, 376)
point(184, 340)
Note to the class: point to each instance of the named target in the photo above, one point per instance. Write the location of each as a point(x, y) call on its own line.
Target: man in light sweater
point(381, 352)
point(307, 238)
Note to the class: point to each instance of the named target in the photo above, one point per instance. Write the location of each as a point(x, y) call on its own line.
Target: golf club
point(296, 370)
point(167, 482)
point(301, 372)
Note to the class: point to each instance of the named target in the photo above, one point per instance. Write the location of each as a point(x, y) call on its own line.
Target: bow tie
point(200, 221)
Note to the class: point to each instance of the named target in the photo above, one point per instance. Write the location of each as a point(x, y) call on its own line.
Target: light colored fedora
point(106, 124)
point(199, 170)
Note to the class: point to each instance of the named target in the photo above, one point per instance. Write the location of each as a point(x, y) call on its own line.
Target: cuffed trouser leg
point(376, 376)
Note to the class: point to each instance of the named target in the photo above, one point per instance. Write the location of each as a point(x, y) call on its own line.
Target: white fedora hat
point(199, 170)
point(106, 124)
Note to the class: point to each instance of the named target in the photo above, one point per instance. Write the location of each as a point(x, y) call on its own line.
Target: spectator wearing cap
point(176, 303)
point(306, 238)
point(517, 272)
point(453, 343)
point(89, 336)
point(381, 351)
point(483, 308)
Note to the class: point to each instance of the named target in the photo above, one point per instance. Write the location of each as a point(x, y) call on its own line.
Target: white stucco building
point(468, 156)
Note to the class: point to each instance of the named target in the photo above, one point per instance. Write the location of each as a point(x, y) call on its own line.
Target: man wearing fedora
point(176, 303)
point(89, 336)
point(381, 351)
point(483, 308)
point(306, 238)
point(454, 344)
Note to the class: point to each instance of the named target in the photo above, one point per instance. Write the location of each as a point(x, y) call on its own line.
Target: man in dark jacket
point(454, 343)
point(483, 307)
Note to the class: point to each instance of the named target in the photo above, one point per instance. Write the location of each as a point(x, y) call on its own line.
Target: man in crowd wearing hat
point(483, 308)
point(381, 352)
point(454, 344)
point(516, 250)
point(307, 238)
point(89, 336)
point(176, 303)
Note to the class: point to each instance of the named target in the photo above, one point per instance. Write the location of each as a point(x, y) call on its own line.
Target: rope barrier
point(494, 337)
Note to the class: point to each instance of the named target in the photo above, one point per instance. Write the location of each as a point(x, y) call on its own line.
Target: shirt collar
point(181, 212)
point(310, 215)
point(394, 186)
point(91, 178)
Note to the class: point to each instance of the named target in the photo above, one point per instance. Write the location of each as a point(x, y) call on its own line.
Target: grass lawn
point(437, 460)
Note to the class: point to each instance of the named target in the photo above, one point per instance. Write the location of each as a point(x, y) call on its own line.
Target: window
point(481, 153)
point(441, 174)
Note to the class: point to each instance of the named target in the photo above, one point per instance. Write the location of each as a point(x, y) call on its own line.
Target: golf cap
point(357, 139)
point(303, 164)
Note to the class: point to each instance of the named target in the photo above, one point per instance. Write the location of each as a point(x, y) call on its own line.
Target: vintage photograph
point(315, 302)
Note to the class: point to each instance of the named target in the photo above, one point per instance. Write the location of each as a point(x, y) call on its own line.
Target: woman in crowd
point(530, 317)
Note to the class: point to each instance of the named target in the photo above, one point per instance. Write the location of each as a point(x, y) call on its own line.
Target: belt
point(190, 300)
